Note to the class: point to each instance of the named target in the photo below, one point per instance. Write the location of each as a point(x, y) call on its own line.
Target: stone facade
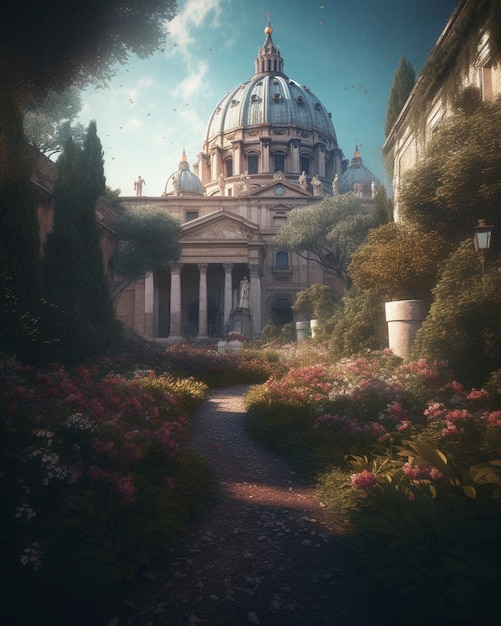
point(407, 142)
point(262, 138)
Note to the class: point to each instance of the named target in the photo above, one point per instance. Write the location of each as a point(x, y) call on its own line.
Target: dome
point(274, 99)
point(184, 182)
point(357, 178)
point(270, 123)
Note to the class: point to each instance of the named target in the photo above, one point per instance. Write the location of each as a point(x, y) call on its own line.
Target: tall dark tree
point(383, 210)
point(73, 263)
point(404, 80)
point(19, 236)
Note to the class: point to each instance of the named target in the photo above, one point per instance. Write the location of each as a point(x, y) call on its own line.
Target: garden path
point(262, 552)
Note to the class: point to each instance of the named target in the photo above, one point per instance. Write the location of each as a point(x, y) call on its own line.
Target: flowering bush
point(94, 470)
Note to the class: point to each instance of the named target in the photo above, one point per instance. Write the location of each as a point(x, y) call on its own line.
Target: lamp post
point(482, 240)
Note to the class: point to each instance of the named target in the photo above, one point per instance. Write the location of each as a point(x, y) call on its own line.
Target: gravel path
point(261, 554)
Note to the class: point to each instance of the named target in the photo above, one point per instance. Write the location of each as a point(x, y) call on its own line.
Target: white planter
point(404, 319)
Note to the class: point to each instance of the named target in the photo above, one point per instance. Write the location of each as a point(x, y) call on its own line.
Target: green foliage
point(458, 182)
point(148, 241)
point(363, 325)
point(463, 325)
point(440, 534)
point(384, 209)
point(49, 124)
point(400, 260)
point(317, 302)
point(403, 83)
point(331, 232)
point(84, 320)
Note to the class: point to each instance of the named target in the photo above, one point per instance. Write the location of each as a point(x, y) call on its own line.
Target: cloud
point(193, 84)
point(193, 16)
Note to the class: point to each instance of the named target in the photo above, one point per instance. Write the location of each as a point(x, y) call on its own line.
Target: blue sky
point(346, 52)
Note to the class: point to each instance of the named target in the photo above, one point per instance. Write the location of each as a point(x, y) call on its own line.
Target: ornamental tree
point(400, 261)
point(327, 234)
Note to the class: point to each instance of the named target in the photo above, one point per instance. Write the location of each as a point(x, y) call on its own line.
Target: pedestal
point(240, 322)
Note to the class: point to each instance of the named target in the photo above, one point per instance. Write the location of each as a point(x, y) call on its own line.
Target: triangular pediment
point(279, 189)
point(220, 226)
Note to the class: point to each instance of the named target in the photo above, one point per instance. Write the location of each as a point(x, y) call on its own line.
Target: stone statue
point(279, 176)
point(373, 189)
point(303, 181)
point(357, 190)
point(243, 300)
point(245, 180)
point(222, 184)
point(335, 186)
point(138, 186)
point(175, 183)
point(317, 186)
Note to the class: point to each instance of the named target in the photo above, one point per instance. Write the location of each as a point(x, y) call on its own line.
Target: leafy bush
point(463, 325)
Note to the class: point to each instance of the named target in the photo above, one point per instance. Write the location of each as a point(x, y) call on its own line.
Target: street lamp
point(482, 240)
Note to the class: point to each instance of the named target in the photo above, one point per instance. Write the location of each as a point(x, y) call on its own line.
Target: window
point(305, 164)
point(252, 164)
point(228, 167)
point(191, 215)
point(282, 260)
point(279, 162)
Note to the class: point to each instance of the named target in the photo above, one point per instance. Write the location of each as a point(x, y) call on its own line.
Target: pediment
point(221, 226)
point(279, 189)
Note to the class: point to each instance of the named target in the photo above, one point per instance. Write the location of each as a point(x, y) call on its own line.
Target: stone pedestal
point(313, 327)
point(240, 322)
point(302, 331)
point(404, 319)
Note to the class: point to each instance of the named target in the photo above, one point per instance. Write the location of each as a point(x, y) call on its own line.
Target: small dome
point(358, 179)
point(184, 182)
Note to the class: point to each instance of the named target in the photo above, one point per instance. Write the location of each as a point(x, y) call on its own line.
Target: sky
point(346, 52)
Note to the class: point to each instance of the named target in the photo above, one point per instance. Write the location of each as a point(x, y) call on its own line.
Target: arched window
point(282, 260)
point(228, 167)
point(252, 164)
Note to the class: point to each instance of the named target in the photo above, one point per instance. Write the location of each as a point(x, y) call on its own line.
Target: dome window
point(318, 106)
point(234, 103)
point(300, 100)
point(255, 98)
point(277, 97)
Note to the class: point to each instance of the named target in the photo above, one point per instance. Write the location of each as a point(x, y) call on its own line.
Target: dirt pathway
point(262, 554)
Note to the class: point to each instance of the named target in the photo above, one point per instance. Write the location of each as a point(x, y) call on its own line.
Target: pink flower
point(363, 479)
point(436, 474)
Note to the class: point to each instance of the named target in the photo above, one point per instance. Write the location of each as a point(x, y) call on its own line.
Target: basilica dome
point(183, 182)
point(357, 178)
point(265, 125)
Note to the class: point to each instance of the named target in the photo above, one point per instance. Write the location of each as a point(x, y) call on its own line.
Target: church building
point(270, 146)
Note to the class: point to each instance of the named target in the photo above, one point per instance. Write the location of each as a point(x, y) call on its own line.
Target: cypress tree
point(404, 80)
point(73, 264)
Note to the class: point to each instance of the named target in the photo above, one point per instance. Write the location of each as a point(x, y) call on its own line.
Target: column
point(149, 300)
point(228, 293)
point(265, 155)
point(175, 303)
point(255, 298)
point(202, 301)
point(294, 156)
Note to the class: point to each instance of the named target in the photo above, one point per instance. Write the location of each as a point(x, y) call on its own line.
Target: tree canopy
point(148, 241)
point(48, 124)
point(50, 45)
point(399, 261)
point(327, 234)
point(458, 181)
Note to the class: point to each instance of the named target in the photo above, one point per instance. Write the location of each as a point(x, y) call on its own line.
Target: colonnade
point(176, 301)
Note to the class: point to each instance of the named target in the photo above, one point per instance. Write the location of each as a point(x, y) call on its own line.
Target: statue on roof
point(138, 186)
point(335, 186)
point(303, 181)
point(317, 186)
point(222, 184)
